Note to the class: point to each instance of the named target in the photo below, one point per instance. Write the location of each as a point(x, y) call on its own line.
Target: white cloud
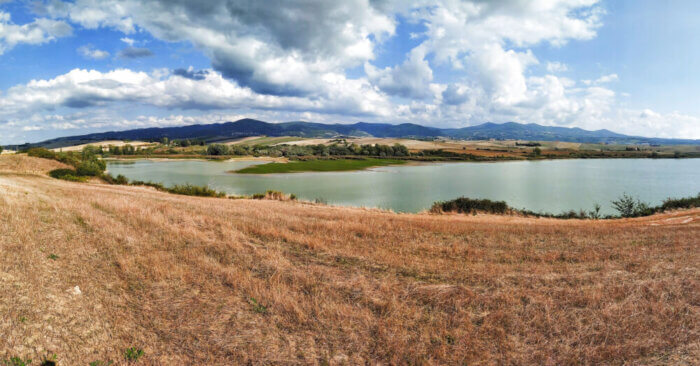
point(285, 48)
point(409, 80)
point(606, 79)
point(289, 60)
point(601, 80)
point(88, 51)
point(556, 67)
point(39, 31)
point(79, 89)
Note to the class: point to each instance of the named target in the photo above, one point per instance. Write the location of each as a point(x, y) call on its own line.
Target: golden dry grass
point(177, 276)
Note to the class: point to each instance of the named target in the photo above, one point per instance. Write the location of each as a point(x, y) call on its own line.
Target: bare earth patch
point(215, 281)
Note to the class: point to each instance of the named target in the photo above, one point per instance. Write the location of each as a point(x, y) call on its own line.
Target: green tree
point(128, 149)
point(93, 167)
point(627, 206)
point(218, 149)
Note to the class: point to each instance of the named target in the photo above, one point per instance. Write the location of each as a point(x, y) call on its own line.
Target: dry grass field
point(216, 281)
point(104, 145)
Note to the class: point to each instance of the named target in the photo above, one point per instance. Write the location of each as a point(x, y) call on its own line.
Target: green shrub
point(120, 179)
point(677, 203)
point(218, 149)
point(40, 152)
point(192, 190)
point(93, 167)
point(66, 174)
point(468, 205)
point(157, 186)
point(628, 206)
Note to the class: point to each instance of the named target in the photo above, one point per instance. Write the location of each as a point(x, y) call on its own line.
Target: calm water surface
point(548, 186)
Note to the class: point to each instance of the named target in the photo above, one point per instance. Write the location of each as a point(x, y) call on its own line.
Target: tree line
point(336, 149)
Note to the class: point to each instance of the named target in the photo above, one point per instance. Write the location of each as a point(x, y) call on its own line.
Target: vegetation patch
point(85, 163)
point(626, 205)
point(67, 174)
point(193, 190)
point(681, 203)
point(324, 165)
point(17, 361)
point(133, 354)
point(469, 205)
point(274, 195)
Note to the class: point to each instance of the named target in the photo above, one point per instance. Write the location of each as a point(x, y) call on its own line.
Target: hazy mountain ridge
point(251, 127)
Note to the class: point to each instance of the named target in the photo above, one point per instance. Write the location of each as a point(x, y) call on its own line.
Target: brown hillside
point(216, 281)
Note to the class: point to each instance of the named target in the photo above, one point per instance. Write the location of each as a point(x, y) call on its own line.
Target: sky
point(76, 67)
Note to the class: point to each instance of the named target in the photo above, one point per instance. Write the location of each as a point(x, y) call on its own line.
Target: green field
point(318, 166)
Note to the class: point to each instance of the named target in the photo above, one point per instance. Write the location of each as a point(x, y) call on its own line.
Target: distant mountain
point(251, 127)
point(532, 131)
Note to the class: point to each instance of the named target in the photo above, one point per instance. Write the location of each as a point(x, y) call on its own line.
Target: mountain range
point(250, 127)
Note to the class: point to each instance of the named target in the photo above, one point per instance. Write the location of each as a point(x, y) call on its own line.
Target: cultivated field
point(264, 140)
point(217, 281)
point(104, 145)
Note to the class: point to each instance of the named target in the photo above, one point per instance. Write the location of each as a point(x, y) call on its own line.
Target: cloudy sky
point(72, 67)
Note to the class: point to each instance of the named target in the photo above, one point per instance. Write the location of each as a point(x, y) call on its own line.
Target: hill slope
point(251, 127)
point(216, 281)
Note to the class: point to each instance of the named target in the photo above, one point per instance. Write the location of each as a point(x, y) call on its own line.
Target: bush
point(120, 179)
point(628, 206)
point(40, 152)
point(468, 205)
point(678, 203)
point(218, 149)
point(157, 186)
point(192, 190)
point(66, 174)
point(93, 167)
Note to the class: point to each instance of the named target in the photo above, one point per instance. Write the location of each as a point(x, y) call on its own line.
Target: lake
point(548, 186)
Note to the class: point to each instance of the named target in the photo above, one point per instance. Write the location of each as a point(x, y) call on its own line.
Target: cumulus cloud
point(184, 89)
point(274, 47)
point(409, 80)
point(88, 51)
point(290, 59)
point(39, 31)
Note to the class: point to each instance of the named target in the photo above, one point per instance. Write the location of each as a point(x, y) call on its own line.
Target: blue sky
point(88, 65)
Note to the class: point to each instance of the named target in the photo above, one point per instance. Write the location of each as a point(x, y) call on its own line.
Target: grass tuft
point(133, 354)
